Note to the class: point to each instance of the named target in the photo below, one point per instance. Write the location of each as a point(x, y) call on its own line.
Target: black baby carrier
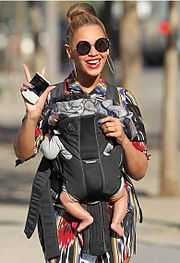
point(91, 163)
point(91, 173)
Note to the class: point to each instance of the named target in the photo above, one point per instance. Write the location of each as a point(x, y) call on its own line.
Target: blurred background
point(145, 49)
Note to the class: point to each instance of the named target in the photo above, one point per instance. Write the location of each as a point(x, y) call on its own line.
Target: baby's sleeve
point(50, 147)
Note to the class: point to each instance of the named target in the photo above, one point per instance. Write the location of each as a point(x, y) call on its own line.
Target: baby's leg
point(75, 209)
point(120, 201)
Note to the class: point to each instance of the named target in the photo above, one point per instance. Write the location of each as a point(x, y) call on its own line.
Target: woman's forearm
point(25, 140)
point(136, 160)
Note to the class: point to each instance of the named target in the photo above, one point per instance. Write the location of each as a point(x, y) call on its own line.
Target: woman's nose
point(93, 51)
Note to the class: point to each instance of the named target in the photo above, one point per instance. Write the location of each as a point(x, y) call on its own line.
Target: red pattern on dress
point(139, 146)
point(38, 132)
point(66, 232)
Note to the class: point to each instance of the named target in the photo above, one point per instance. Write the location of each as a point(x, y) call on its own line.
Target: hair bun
point(74, 14)
point(79, 15)
point(80, 9)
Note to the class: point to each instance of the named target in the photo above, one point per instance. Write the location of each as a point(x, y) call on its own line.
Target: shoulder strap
point(113, 94)
point(57, 92)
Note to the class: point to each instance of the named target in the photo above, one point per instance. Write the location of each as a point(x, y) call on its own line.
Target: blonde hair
point(79, 15)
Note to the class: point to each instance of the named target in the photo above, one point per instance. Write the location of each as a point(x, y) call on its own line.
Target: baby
point(51, 146)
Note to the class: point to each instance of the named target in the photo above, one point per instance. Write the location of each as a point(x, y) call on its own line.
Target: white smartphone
point(39, 84)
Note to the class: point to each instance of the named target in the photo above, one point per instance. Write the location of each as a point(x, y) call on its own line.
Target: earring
point(71, 62)
point(111, 64)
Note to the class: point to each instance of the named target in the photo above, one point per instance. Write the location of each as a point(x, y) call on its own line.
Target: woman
point(87, 48)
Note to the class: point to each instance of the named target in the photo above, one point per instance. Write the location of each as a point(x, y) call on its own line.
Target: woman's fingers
point(42, 99)
point(27, 73)
point(110, 123)
point(113, 134)
point(43, 71)
point(25, 86)
point(112, 127)
point(109, 129)
point(106, 119)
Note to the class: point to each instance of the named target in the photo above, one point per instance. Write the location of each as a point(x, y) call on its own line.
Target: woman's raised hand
point(34, 111)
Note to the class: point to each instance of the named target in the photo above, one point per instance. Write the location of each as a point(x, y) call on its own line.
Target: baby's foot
point(118, 229)
point(85, 223)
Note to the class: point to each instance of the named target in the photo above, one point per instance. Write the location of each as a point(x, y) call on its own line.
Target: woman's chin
point(92, 72)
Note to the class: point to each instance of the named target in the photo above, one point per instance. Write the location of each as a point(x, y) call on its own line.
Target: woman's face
point(93, 62)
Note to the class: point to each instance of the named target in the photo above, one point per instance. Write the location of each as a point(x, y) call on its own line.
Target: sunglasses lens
point(83, 48)
point(102, 44)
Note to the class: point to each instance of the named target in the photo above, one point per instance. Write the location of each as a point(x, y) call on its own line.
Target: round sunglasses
point(101, 45)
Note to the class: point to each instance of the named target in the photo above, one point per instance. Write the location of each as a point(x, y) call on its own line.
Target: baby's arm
point(50, 147)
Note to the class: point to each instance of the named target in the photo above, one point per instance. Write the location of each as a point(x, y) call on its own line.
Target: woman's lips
point(93, 64)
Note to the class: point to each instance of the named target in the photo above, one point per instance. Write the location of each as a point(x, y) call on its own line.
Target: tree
point(130, 50)
point(168, 175)
point(52, 49)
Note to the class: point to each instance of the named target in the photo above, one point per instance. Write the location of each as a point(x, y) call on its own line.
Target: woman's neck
point(87, 83)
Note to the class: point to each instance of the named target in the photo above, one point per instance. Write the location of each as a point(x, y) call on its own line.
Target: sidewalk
point(161, 214)
point(161, 224)
point(14, 246)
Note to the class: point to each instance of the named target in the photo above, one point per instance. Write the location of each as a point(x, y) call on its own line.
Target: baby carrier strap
point(41, 207)
point(96, 237)
point(57, 93)
point(39, 181)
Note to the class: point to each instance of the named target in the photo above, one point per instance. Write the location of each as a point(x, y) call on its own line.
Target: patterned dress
point(70, 244)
